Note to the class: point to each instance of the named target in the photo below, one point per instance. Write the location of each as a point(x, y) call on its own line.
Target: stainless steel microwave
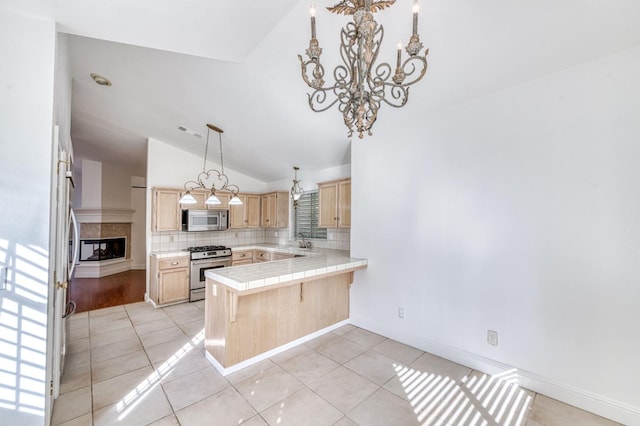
point(205, 220)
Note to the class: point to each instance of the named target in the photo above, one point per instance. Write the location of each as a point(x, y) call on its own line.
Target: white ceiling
point(234, 64)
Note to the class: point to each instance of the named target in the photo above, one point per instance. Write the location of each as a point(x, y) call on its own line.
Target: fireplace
point(102, 249)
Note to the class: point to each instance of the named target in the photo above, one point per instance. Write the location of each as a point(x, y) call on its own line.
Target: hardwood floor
point(113, 290)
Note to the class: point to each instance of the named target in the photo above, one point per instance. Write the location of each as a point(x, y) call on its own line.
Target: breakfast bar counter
point(256, 310)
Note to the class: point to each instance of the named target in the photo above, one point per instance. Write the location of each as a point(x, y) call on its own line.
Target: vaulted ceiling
point(234, 64)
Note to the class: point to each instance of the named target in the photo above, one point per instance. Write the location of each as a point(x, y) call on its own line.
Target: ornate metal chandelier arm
point(190, 185)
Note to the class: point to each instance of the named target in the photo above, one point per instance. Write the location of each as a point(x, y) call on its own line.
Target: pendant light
point(206, 178)
point(296, 190)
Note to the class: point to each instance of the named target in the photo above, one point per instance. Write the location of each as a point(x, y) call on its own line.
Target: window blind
point(306, 217)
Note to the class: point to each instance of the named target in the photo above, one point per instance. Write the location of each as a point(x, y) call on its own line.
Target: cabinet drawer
point(242, 255)
point(173, 262)
point(261, 256)
point(242, 262)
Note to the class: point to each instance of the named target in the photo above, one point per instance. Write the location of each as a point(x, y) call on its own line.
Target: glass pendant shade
point(212, 199)
point(187, 198)
point(297, 195)
point(235, 201)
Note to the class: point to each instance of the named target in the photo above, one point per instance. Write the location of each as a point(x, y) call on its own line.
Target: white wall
point(310, 178)
point(517, 212)
point(138, 235)
point(91, 187)
point(26, 111)
point(116, 187)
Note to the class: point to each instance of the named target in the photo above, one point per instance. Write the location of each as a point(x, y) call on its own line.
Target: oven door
point(197, 278)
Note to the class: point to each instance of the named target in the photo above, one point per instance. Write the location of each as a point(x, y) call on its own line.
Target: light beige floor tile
point(75, 378)
point(181, 365)
point(199, 304)
point(155, 325)
point(173, 349)
point(433, 364)
point(309, 366)
point(400, 352)
point(345, 421)
point(344, 329)
point(364, 338)
point(252, 370)
point(111, 336)
point(268, 388)
point(343, 388)
point(170, 420)
point(138, 306)
point(78, 345)
point(141, 317)
point(86, 420)
point(180, 317)
point(340, 349)
point(194, 387)
point(550, 412)
point(113, 350)
point(71, 405)
point(181, 308)
point(321, 339)
point(77, 360)
point(106, 326)
point(374, 366)
point(142, 409)
point(161, 336)
point(77, 330)
point(302, 408)
point(224, 408)
point(256, 420)
point(106, 311)
point(384, 408)
point(193, 329)
point(127, 386)
point(112, 367)
point(82, 316)
point(290, 353)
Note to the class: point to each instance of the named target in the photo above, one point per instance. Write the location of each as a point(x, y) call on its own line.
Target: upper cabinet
point(335, 204)
point(165, 212)
point(247, 214)
point(275, 210)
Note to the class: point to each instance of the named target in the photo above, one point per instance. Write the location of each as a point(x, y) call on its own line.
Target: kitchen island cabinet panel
point(239, 327)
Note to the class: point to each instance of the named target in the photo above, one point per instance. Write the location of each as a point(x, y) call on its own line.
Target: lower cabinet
point(261, 256)
point(243, 257)
point(169, 279)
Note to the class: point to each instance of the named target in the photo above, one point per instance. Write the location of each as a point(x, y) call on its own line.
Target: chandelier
point(296, 190)
point(207, 178)
point(360, 86)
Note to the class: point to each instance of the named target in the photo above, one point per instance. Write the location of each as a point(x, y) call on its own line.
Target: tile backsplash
point(337, 239)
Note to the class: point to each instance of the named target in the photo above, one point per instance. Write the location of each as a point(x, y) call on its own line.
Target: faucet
point(303, 244)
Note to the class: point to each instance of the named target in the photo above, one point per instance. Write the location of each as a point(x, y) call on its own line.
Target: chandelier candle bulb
point(312, 12)
point(416, 9)
point(399, 53)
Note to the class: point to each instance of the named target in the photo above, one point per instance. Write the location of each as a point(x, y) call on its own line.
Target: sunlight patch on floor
point(478, 399)
point(133, 398)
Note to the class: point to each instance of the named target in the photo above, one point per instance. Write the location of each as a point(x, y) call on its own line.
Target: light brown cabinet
point(242, 257)
point(335, 204)
point(165, 210)
point(261, 256)
point(169, 279)
point(275, 210)
point(247, 214)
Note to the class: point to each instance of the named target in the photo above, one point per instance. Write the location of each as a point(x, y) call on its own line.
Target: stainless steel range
point(203, 259)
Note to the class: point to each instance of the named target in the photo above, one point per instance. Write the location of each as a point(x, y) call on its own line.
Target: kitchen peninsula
point(256, 310)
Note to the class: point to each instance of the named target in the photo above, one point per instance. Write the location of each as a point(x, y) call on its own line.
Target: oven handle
point(213, 260)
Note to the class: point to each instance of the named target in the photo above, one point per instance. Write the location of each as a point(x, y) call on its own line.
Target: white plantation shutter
point(305, 217)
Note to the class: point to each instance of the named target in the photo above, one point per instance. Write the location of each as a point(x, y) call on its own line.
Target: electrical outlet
point(492, 337)
point(401, 313)
point(275, 234)
point(171, 238)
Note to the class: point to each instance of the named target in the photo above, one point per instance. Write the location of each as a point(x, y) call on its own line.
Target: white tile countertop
point(316, 263)
point(174, 253)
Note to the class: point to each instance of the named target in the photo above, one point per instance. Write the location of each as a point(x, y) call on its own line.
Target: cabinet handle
point(174, 263)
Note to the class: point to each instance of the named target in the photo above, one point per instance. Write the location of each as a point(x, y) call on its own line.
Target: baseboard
point(232, 369)
point(138, 266)
point(598, 404)
point(101, 269)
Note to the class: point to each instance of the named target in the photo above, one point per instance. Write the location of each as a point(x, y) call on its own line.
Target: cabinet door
point(166, 210)
point(282, 210)
point(252, 211)
point(264, 211)
point(328, 203)
point(237, 213)
point(173, 285)
point(344, 204)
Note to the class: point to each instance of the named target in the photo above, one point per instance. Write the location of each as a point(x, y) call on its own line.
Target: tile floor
point(136, 365)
